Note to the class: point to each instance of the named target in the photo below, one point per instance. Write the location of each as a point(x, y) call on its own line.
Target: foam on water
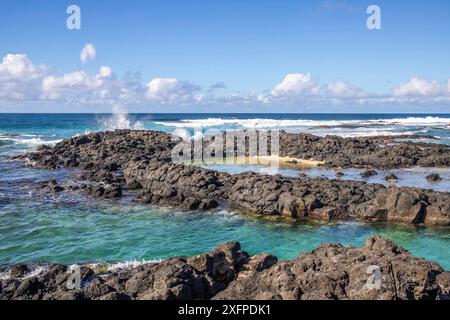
point(117, 266)
point(345, 128)
point(120, 120)
point(25, 139)
point(259, 123)
point(36, 271)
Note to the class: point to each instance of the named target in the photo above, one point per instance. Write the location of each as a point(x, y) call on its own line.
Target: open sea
point(69, 228)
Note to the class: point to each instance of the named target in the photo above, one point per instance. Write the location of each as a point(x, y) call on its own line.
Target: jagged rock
point(336, 272)
point(329, 272)
point(112, 162)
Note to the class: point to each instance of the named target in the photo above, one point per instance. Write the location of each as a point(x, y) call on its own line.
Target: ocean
point(71, 228)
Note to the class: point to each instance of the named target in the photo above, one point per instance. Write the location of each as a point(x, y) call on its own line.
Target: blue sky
point(248, 47)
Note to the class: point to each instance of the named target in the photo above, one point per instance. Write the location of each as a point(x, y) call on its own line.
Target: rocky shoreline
point(376, 152)
point(378, 270)
point(139, 163)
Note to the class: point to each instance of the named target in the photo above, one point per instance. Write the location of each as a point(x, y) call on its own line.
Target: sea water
point(72, 228)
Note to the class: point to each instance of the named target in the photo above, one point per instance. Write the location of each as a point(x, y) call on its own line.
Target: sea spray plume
point(120, 120)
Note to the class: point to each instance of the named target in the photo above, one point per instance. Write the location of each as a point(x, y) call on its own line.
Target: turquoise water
point(70, 228)
point(110, 233)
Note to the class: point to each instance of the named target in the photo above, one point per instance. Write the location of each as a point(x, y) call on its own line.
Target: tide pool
point(70, 228)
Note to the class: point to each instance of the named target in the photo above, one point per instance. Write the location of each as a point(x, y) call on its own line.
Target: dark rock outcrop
point(375, 152)
point(379, 270)
point(433, 177)
point(336, 272)
point(369, 173)
point(391, 178)
point(140, 161)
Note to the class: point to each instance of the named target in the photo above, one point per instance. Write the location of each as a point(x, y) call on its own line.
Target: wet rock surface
point(433, 177)
point(139, 162)
point(378, 270)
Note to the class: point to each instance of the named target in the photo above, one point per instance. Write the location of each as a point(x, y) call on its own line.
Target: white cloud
point(18, 66)
point(78, 82)
point(22, 80)
point(297, 84)
point(19, 77)
point(105, 72)
point(171, 90)
point(87, 53)
point(419, 87)
point(341, 89)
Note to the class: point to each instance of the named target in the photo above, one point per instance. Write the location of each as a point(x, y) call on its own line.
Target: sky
point(225, 56)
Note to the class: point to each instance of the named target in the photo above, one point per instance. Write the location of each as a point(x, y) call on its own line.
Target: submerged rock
point(392, 178)
point(369, 173)
point(378, 270)
point(433, 177)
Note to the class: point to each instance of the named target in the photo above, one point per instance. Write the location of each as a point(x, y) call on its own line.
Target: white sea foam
point(120, 120)
point(26, 139)
point(36, 271)
point(125, 265)
point(260, 123)
point(185, 135)
point(345, 128)
point(130, 264)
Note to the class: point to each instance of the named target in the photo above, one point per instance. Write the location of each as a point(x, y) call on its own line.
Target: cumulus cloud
point(417, 87)
point(18, 66)
point(75, 82)
point(341, 89)
point(81, 83)
point(87, 53)
point(171, 90)
point(19, 77)
point(297, 84)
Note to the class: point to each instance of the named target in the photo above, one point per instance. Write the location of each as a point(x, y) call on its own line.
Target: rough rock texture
point(377, 152)
point(140, 161)
point(329, 272)
point(336, 272)
point(113, 149)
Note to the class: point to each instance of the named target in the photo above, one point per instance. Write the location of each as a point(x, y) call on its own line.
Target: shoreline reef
point(139, 163)
point(379, 270)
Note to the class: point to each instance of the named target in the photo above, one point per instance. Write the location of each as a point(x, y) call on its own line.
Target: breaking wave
point(259, 123)
point(24, 139)
point(344, 128)
point(120, 120)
